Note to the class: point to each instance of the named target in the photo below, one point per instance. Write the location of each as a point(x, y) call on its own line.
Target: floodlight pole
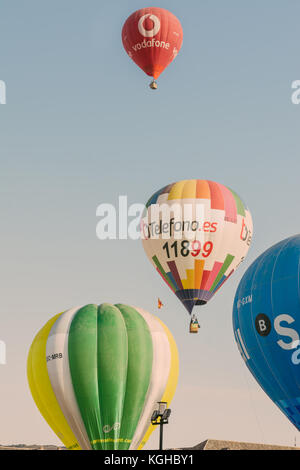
point(161, 433)
point(161, 417)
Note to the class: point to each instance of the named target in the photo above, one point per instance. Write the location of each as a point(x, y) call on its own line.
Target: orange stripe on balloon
point(199, 267)
point(202, 190)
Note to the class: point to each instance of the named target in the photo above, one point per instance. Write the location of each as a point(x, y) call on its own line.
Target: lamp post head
point(160, 417)
point(162, 406)
point(166, 415)
point(154, 416)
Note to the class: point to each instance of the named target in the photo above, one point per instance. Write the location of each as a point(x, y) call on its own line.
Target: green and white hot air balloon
point(96, 374)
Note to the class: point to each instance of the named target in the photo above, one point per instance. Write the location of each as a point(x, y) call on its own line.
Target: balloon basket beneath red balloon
point(153, 85)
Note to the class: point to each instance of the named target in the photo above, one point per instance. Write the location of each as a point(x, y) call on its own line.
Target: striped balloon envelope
point(96, 374)
point(196, 233)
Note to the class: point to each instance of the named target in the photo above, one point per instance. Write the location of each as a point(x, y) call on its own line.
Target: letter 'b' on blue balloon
point(266, 323)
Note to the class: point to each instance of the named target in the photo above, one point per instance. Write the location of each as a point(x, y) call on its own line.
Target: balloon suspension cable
point(153, 85)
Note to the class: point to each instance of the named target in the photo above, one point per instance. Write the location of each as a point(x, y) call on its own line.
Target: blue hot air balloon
point(266, 322)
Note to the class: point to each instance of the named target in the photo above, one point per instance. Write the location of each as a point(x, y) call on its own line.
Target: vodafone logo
point(151, 32)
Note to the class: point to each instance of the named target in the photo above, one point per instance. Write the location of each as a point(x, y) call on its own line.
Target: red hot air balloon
point(152, 37)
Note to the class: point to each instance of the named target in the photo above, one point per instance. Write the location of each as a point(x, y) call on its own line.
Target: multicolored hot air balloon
point(96, 374)
point(266, 323)
point(196, 233)
point(152, 37)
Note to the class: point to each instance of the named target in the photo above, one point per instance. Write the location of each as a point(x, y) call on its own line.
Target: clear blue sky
point(81, 127)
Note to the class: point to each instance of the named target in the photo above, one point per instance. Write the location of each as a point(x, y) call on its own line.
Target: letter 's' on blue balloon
point(266, 323)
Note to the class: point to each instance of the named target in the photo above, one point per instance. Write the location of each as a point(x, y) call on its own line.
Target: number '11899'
point(185, 247)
